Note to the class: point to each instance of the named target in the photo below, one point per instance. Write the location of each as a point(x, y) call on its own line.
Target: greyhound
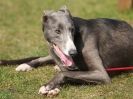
point(82, 49)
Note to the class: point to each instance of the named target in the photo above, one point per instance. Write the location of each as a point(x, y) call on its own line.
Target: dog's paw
point(56, 67)
point(44, 90)
point(24, 67)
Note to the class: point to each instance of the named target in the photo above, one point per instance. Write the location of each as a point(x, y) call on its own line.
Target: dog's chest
point(79, 62)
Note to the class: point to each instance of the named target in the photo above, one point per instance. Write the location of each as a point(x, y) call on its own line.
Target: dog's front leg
point(52, 88)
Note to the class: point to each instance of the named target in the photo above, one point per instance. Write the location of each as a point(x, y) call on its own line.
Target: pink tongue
point(66, 60)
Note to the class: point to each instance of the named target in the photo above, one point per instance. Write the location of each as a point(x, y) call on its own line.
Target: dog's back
point(114, 39)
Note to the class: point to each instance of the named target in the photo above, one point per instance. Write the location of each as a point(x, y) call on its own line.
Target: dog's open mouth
point(66, 60)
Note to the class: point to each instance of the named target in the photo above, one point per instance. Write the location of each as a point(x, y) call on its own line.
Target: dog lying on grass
point(82, 49)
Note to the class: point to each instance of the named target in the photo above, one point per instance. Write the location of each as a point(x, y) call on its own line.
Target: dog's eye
point(58, 31)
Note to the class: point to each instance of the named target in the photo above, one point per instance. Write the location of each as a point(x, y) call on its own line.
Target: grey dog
point(82, 49)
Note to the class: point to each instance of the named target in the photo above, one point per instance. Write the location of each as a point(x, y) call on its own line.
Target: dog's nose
point(72, 52)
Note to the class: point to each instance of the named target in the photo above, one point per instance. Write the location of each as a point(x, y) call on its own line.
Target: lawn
point(21, 36)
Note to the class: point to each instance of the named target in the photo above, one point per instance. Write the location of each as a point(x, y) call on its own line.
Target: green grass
point(21, 36)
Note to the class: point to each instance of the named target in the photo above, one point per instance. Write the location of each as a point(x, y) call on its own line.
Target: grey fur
point(100, 43)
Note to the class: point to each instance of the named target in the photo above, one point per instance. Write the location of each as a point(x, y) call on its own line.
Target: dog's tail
point(17, 62)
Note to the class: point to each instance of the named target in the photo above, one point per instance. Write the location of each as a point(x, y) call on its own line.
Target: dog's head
point(59, 31)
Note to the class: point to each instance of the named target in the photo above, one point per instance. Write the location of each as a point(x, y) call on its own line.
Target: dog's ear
point(46, 14)
point(64, 9)
point(45, 17)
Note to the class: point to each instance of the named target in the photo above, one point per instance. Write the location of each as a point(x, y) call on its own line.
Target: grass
point(21, 36)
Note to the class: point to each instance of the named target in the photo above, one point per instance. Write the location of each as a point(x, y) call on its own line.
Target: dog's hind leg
point(35, 63)
point(27, 64)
